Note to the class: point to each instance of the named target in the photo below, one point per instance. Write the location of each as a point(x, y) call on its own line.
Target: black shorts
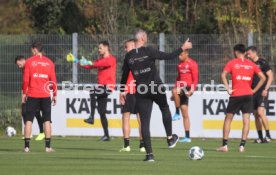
point(130, 104)
point(184, 99)
point(241, 103)
point(24, 112)
point(259, 101)
point(38, 104)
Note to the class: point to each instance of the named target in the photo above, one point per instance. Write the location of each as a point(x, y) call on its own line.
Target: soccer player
point(106, 66)
point(149, 87)
point(20, 62)
point(241, 94)
point(39, 74)
point(128, 102)
point(185, 85)
point(260, 97)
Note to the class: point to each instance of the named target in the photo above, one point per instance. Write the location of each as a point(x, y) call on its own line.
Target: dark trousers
point(99, 95)
point(144, 107)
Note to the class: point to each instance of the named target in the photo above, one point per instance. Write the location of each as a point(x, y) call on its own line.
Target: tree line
point(124, 16)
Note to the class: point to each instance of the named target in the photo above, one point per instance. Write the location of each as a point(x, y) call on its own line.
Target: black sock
point(177, 110)
point(187, 134)
point(267, 133)
point(141, 144)
point(260, 134)
point(243, 142)
point(27, 142)
point(48, 142)
point(224, 142)
point(126, 142)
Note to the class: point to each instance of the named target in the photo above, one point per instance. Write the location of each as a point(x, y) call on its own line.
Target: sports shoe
point(241, 149)
point(185, 140)
point(26, 149)
point(89, 120)
point(142, 149)
point(176, 117)
point(149, 158)
point(104, 138)
point(222, 149)
point(40, 136)
point(125, 149)
point(173, 141)
point(49, 150)
point(258, 141)
point(267, 140)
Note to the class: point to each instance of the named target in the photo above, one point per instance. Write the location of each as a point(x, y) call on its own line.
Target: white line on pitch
point(266, 157)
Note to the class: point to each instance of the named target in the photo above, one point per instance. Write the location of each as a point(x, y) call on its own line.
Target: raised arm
point(104, 62)
point(166, 56)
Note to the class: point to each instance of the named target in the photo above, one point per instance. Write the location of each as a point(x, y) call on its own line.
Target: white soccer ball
point(196, 153)
point(10, 131)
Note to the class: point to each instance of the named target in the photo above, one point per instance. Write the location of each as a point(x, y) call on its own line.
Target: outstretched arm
point(156, 54)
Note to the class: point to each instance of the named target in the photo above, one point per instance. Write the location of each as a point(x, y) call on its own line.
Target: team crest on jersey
point(34, 63)
point(237, 66)
point(131, 60)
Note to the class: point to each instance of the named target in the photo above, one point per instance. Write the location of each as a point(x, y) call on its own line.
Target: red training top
point(106, 71)
point(187, 74)
point(39, 75)
point(130, 84)
point(242, 72)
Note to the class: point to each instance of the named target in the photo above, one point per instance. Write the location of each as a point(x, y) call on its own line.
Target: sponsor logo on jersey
point(36, 75)
point(246, 78)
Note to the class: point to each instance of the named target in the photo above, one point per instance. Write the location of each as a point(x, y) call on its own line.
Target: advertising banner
point(206, 114)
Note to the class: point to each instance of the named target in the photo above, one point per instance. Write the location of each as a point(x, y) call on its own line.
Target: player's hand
point(54, 100)
point(187, 45)
point(189, 93)
point(122, 98)
point(230, 91)
point(172, 98)
point(24, 98)
point(264, 93)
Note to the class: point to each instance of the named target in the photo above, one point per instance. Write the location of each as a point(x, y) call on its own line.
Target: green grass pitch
point(86, 155)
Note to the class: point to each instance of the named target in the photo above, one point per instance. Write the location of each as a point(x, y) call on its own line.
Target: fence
point(210, 51)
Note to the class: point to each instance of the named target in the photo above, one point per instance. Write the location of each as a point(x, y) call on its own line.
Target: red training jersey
point(130, 84)
point(187, 74)
point(242, 71)
point(106, 71)
point(39, 76)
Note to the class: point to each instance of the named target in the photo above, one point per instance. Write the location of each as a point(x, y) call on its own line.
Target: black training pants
point(99, 95)
point(144, 108)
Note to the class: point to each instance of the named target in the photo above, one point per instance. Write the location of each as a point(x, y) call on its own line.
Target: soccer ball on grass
point(196, 153)
point(10, 131)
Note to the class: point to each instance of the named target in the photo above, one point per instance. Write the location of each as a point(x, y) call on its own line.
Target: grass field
point(85, 155)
